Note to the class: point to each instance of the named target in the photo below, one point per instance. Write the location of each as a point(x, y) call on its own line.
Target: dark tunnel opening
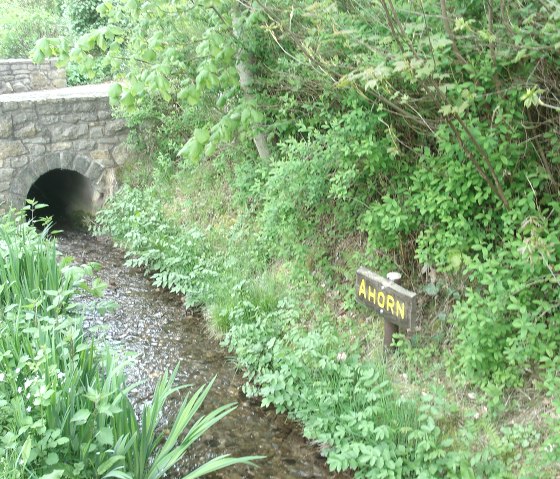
point(67, 193)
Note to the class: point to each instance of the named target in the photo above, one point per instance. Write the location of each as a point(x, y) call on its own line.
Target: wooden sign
point(393, 302)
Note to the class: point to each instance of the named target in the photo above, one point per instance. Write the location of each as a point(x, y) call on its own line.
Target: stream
point(154, 325)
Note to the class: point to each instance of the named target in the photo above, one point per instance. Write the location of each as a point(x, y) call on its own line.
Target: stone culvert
point(61, 130)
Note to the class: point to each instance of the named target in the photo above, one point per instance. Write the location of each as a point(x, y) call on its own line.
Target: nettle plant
point(176, 259)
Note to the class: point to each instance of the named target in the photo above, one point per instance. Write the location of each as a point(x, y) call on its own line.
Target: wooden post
point(389, 327)
point(388, 299)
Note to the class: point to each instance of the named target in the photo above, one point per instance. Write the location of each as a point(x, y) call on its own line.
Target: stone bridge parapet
point(63, 129)
point(20, 75)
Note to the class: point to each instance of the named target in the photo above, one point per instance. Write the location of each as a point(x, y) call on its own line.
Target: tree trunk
point(245, 81)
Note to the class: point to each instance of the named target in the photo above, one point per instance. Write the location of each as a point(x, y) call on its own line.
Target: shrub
point(509, 324)
point(22, 27)
point(82, 15)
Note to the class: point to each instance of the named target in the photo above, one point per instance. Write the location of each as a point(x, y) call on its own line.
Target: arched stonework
point(94, 172)
point(67, 128)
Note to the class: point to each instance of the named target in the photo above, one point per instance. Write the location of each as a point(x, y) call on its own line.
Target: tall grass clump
point(64, 409)
point(30, 274)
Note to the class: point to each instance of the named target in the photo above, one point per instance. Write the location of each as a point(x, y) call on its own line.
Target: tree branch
point(449, 32)
point(495, 185)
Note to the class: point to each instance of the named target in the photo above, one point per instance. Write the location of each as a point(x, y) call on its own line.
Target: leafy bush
point(22, 27)
point(82, 15)
point(317, 179)
point(509, 324)
point(177, 259)
point(347, 405)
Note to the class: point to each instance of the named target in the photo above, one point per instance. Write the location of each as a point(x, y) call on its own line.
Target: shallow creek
point(154, 325)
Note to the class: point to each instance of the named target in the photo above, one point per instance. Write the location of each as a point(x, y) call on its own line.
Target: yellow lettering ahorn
point(391, 303)
point(362, 289)
point(381, 299)
point(371, 294)
point(400, 309)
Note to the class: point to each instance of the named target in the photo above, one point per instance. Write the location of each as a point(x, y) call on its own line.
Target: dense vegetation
point(421, 136)
point(64, 409)
point(24, 22)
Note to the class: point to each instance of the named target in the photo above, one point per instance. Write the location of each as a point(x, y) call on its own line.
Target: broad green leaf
point(256, 116)
point(105, 437)
point(201, 78)
point(81, 416)
point(115, 90)
point(26, 451)
point(56, 474)
point(201, 135)
point(108, 464)
point(118, 475)
point(127, 99)
point(221, 462)
point(149, 55)
point(210, 148)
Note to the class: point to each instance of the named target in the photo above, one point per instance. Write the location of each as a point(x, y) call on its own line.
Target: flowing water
point(155, 326)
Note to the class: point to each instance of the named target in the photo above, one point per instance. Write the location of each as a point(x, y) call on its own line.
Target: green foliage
point(281, 358)
point(508, 325)
point(419, 136)
point(346, 404)
point(82, 15)
point(317, 181)
point(310, 366)
point(22, 25)
point(191, 64)
point(53, 6)
point(32, 273)
point(10, 467)
point(551, 445)
point(178, 259)
point(456, 88)
point(63, 402)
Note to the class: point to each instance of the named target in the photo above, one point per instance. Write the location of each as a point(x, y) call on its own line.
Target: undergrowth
point(301, 359)
point(64, 404)
point(418, 136)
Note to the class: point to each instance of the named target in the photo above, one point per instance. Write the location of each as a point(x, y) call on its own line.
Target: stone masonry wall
point(18, 76)
point(70, 129)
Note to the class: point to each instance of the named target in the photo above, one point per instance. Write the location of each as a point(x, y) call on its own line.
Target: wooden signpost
point(396, 304)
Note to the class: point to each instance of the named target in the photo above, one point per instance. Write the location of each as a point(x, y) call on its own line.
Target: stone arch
point(62, 129)
point(64, 160)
